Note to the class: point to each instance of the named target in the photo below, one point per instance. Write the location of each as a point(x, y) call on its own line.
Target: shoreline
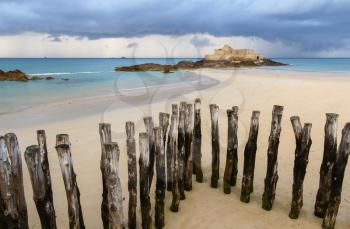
point(300, 94)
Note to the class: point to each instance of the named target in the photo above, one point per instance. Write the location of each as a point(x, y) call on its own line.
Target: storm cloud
point(313, 25)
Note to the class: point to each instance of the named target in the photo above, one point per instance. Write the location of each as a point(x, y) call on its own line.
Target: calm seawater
point(93, 77)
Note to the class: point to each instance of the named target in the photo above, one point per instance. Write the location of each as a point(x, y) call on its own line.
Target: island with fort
point(226, 57)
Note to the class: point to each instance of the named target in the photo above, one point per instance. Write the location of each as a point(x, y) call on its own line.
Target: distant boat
point(123, 57)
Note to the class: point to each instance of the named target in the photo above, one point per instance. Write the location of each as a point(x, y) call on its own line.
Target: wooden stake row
point(176, 158)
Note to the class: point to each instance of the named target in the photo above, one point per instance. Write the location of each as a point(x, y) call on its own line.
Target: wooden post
point(164, 124)
point(132, 173)
point(144, 181)
point(188, 147)
point(161, 183)
point(17, 173)
point(115, 197)
point(337, 179)
point(41, 196)
point(149, 129)
point(41, 138)
point(181, 153)
point(249, 158)
point(329, 156)
point(230, 175)
point(272, 153)
point(69, 177)
point(175, 109)
point(105, 137)
point(197, 142)
point(173, 152)
point(215, 145)
point(303, 144)
point(7, 190)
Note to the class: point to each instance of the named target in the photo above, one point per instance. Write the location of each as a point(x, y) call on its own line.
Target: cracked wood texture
point(215, 145)
point(249, 158)
point(197, 142)
point(272, 154)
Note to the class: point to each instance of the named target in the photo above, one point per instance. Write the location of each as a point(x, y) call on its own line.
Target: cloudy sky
point(173, 28)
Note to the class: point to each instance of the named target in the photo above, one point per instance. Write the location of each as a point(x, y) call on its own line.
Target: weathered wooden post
point(197, 142)
point(105, 137)
point(188, 147)
point(303, 144)
point(149, 129)
point(160, 183)
point(272, 153)
point(17, 173)
point(181, 153)
point(115, 197)
point(8, 200)
point(230, 174)
point(41, 195)
point(69, 177)
point(329, 156)
point(132, 173)
point(215, 145)
point(249, 158)
point(337, 179)
point(173, 151)
point(164, 124)
point(144, 181)
point(41, 138)
point(169, 156)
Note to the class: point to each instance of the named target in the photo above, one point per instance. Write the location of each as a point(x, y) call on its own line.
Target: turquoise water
point(87, 77)
point(315, 64)
point(93, 77)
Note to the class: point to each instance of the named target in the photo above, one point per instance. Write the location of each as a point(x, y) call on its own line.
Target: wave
point(63, 73)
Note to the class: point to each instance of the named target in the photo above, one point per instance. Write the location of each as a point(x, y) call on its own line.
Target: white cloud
point(163, 46)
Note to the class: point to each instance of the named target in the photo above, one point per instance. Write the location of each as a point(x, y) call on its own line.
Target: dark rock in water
point(15, 75)
point(50, 78)
point(65, 79)
point(188, 65)
point(36, 78)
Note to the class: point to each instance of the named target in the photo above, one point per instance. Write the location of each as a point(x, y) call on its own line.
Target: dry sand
point(309, 95)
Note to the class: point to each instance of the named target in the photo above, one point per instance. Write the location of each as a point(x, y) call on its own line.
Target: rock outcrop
point(17, 75)
point(222, 58)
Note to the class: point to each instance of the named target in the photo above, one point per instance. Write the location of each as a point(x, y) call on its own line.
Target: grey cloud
point(312, 24)
point(132, 45)
point(199, 42)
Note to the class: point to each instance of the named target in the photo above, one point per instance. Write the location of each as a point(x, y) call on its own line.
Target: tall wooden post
point(132, 173)
point(149, 129)
point(337, 181)
point(164, 124)
point(249, 158)
point(197, 142)
point(161, 183)
point(105, 137)
point(17, 173)
point(41, 138)
point(303, 144)
point(173, 152)
point(144, 181)
point(215, 145)
point(272, 153)
point(188, 147)
point(169, 156)
point(181, 153)
point(230, 174)
point(41, 195)
point(115, 197)
point(69, 177)
point(8, 207)
point(329, 156)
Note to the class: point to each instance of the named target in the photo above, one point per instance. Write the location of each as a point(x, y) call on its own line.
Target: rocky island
point(19, 76)
point(226, 57)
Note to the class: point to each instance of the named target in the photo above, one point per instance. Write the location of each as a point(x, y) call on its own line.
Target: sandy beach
point(307, 94)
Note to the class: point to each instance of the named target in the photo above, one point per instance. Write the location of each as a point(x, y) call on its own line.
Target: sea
point(82, 77)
